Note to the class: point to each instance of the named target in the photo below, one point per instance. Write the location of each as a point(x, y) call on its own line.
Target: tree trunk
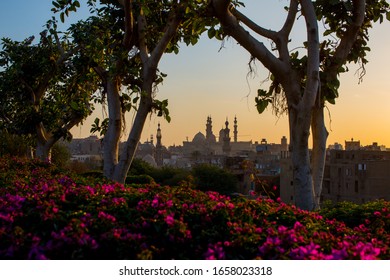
point(43, 151)
point(130, 148)
point(320, 135)
point(302, 175)
point(44, 143)
point(112, 136)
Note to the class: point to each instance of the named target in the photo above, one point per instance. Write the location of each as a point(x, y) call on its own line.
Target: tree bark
point(320, 136)
point(43, 151)
point(112, 136)
point(300, 158)
point(127, 155)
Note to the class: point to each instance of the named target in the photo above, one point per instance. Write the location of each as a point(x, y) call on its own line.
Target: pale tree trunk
point(43, 151)
point(320, 135)
point(112, 137)
point(44, 143)
point(300, 158)
point(129, 150)
point(150, 62)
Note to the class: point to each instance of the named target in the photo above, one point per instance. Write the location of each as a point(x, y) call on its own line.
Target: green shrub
point(139, 179)
point(212, 178)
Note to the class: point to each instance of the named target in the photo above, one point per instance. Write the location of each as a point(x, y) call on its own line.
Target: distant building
point(91, 145)
point(268, 156)
point(209, 145)
point(352, 145)
point(335, 146)
point(359, 174)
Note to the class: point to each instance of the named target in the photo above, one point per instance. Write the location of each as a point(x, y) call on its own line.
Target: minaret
point(283, 143)
point(208, 128)
point(158, 155)
point(226, 139)
point(210, 138)
point(235, 129)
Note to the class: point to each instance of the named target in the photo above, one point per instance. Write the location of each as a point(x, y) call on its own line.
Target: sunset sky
point(205, 80)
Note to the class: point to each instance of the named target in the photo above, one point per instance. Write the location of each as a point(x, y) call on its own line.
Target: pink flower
point(215, 252)
point(298, 226)
point(170, 220)
point(258, 230)
point(106, 216)
point(155, 203)
point(169, 203)
point(377, 214)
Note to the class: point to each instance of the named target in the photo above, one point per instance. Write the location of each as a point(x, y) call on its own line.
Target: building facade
point(357, 174)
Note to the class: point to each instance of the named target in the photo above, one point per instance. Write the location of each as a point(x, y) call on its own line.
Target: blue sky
point(204, 81)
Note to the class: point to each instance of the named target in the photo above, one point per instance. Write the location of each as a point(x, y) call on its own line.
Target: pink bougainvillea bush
point(47, 214)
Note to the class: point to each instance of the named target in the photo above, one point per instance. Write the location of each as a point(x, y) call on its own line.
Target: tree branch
point(348, 39)
point(129, 23)
point(257, 49)
point(313, 64)
point(142, 38)
point(270, 34)
point(170, 31)
point(101, 72)
point(284, 32)
point(290, 20)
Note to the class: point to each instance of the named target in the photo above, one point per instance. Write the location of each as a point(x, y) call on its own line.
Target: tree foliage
point(125, 41)
point(45, 87)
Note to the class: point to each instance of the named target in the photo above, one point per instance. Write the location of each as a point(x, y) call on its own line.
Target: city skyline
point(208, 79)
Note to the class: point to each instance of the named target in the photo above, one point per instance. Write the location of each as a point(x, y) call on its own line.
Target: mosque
point(209, 144)
point(208, 148)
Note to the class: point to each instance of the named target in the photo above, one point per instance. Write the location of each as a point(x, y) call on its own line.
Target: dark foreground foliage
point(46, 214)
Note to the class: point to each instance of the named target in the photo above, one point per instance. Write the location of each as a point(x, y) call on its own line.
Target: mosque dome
point(199, 138)
point(150, 159)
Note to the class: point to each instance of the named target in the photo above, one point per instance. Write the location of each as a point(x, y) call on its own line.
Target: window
point(362, 166)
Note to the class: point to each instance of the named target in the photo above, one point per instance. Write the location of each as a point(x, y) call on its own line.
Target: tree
point(300, 88)
point(133, 36)
point(212, 178)
point(307, 81)
point(44, 90)
point(347, 24)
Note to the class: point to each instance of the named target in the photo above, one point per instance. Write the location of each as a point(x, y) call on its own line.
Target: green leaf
point(55, 4)
point(211, 33)
point(388, 16)
point(74, 105)
point(62, 17)
point(331, 101)
point(261, 105)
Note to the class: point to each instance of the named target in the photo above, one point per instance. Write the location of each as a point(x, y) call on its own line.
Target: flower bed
point(46, 214)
